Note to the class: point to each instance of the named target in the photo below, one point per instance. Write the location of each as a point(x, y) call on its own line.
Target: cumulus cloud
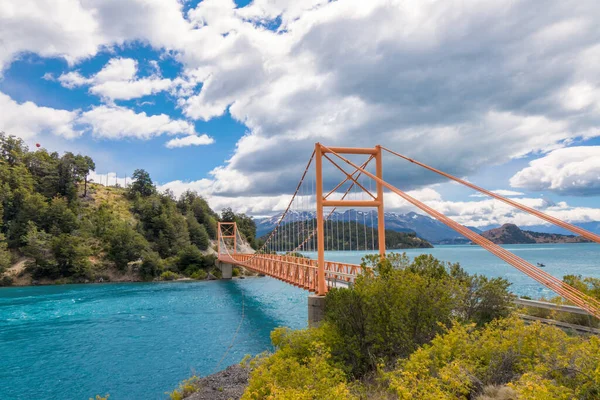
point(27, 120)
point(114, 122)
point(572, 171)
point(191, 140)
point(117, 81)
point(457, 85)
point(396, 73)
point(75, 30)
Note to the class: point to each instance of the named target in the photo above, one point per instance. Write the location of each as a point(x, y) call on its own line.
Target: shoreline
point(180, 280)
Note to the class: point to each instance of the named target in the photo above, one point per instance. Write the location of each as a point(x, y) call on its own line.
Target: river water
point(138, 340)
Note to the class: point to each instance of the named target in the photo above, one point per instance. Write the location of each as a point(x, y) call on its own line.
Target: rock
point(227, 384)
point(211, 277)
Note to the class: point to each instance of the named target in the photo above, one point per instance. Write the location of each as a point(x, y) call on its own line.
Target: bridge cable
point(288, 207)
point(534, 272)
point(575, 229)
point(568, 292)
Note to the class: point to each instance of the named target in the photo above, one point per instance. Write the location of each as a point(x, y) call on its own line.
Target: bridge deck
point(298, 271)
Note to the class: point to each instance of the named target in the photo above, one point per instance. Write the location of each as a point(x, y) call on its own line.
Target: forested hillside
point(57, 226)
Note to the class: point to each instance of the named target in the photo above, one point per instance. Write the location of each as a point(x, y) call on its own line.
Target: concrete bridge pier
point(226, 270)
point(316, 310)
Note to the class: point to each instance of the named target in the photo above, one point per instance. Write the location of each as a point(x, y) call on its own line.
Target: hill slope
point(512, 234)
point(55, 226)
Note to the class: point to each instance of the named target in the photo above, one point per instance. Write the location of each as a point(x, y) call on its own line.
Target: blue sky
point(229, 98)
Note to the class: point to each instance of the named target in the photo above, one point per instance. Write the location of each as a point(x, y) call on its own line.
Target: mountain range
point(512, 234)
point(425, 227)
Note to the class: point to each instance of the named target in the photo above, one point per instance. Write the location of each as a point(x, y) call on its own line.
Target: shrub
point(152, 265)
point(302, 368)
point(216, 272)
point(536, 361)
point(199, 275)
point(236, 271)
point(6, 281)
point(168, 276)
point(191, 259)
point(185, 389)
point(125, 245)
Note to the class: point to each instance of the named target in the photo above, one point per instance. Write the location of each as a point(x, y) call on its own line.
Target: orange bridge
point(311, 225)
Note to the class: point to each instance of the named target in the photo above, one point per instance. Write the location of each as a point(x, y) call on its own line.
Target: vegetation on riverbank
point(425, 330)
point(55, 226)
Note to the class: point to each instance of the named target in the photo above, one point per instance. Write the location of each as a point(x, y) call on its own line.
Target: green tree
point(483, 299)
point(190, 259)
point(59, 218)
point(210, 224)
point(227, 215)
point(12, 149)
point(38, 245)
point(152, 265)
point(142, 183)
point(125, 245)
point(83, 166)
point(5, 259)
point(31, 207)
point(71, 255)
point(198, 234)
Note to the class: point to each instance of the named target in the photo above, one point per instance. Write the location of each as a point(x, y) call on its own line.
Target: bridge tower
point(316, 302)
point(226, 230)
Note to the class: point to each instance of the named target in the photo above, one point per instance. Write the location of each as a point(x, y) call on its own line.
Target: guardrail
point(555, 307)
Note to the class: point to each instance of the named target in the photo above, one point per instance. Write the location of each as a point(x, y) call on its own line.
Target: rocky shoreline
point(223, 385)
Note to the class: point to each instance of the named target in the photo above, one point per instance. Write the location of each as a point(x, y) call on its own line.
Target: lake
point(138, 340)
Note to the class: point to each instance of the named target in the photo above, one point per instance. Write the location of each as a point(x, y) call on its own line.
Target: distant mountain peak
point(512, 234)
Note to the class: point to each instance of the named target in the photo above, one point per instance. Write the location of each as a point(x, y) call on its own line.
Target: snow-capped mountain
point(424, 226)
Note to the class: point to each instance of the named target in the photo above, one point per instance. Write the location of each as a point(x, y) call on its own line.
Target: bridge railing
point(555, 314)
point(298, 271)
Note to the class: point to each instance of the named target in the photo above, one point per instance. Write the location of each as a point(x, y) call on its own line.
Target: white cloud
point(422, 77)
point(191, 140)
point(127, 90)
point(78, 29)
point(28, 120)
point(117, 81)
point(117, 69)
point(391, 72)
point(501, 192)
point(73, 79)
point(573, 170)
point(113, 122)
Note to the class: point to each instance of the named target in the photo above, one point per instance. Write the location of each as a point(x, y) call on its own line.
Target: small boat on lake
point(541, 265)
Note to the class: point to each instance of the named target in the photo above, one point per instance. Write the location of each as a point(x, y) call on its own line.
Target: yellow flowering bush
point(537, 361)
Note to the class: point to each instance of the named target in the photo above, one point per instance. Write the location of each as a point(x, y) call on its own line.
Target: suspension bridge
point(310, 224)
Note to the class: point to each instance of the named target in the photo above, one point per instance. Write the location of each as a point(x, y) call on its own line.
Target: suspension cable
point(314, 231)
point(575, 229)
point(288, 207)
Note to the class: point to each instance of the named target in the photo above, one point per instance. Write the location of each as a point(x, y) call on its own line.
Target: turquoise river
point(138, 340)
